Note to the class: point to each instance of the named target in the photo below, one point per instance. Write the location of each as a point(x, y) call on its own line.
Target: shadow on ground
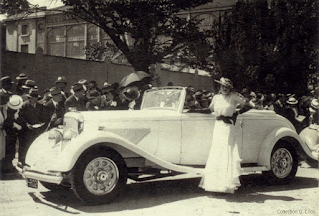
point(145, 195)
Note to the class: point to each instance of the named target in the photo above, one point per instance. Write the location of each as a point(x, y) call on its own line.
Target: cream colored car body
point(166, 139)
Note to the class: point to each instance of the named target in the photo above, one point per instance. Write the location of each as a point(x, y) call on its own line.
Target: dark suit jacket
point(50, 110)
point(33, 115)
point(8, 93)
point(72, 102)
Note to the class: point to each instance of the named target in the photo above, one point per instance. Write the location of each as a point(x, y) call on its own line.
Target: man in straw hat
point(75, 102)
point(94, 102)
point(61, 84)
point(33, 118)
point(26, 88)
point(12, 127)
point(54, 108)
point(314, 111)
point(22, 78)
point(6, 86)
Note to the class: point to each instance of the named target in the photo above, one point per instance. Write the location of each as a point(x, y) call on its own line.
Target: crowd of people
point(26, 113)
point(300, 111)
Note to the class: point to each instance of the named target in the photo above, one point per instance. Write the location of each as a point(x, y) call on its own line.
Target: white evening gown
point(223, 169)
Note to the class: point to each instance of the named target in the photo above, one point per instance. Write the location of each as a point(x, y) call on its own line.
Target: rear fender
point(281, 133)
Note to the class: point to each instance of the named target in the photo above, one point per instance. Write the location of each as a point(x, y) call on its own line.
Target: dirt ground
point(171, 197)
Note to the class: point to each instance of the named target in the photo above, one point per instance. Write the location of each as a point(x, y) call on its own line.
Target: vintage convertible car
point(96, 151)
point(310, 135)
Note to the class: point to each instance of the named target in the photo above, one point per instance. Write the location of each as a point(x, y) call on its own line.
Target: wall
point(45, 69)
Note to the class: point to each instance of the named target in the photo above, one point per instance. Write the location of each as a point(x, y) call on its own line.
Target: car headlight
point(73, 124)
point(55, 136)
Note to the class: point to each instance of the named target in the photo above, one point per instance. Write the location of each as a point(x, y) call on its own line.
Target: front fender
point(271, 140)
point(65, 161)
point(72, 151)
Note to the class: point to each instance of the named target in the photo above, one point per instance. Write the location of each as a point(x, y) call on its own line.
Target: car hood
point(135, 115)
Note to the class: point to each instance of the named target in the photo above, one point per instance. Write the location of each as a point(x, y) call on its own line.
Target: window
point(25, 48)
point(24, 29)
point(92, 34)
point(207, 20)
point(56, 41)
point(75, 42)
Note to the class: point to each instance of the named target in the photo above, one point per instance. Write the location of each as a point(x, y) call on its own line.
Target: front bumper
point(26, 172)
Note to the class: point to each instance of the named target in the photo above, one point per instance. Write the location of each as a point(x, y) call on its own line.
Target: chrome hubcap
point(101, 176)
point(281, 162)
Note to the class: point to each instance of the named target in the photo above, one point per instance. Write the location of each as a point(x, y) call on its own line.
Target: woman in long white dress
point(223, 165)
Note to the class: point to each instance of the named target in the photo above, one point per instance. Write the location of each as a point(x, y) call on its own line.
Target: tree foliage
point(267, 47)
point(152, 25)
point(12, 7)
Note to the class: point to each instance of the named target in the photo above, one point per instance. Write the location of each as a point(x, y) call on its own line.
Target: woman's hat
point(22, 76)
point(315, 104)
point(131, 93)
point(15, 102)
point(292, 101)
point(225, 82)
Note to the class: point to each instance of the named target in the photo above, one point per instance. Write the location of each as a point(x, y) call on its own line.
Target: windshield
point(162, 99)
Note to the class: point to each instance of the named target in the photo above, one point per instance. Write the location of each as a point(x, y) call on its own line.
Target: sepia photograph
point(159, 107)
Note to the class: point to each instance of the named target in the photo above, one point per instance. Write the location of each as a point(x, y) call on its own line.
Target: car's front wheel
point(99, 177)
point(284, 164)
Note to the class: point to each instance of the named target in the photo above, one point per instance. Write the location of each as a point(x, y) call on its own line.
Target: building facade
point(58, 34)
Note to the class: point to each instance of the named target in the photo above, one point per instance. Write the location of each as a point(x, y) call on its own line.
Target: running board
point(254, 169)
point(170, 177)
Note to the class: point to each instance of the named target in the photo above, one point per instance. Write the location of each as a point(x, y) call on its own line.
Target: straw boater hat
point(315, 104)
point(292, 101)
point(76, 87)
point(61, 79)
point(29, 84)
point(22, 76)
point(15, 102)
point(6, 80)
point(225, 82)
point(83, 82)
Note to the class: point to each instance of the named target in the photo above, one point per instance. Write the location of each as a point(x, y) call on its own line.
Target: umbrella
point(134, 77)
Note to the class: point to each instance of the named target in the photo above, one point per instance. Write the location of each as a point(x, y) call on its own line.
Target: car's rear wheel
point(99, 177)
point(284, 164)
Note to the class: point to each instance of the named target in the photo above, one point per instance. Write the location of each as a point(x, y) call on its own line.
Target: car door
point(197, 131)
point(256, 126)
point(197, 134)
point(169, 136)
